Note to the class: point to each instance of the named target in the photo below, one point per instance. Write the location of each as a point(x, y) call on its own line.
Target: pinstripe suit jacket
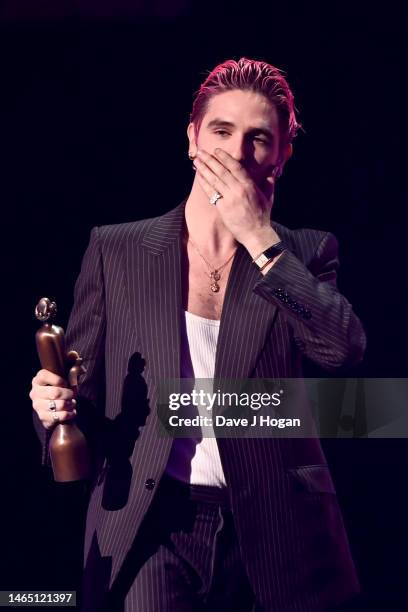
point(126, 324)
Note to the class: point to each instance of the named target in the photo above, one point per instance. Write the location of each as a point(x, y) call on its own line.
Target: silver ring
point(52, 405)
point(215, 197)
point(55, 417)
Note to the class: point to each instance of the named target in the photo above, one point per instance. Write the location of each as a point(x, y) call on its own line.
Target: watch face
point(262, 260)
point(269, 254)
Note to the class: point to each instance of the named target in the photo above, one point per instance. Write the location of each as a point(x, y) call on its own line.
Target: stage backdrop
point(95, 101)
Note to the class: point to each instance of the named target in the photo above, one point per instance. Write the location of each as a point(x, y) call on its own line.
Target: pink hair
point(252, 75)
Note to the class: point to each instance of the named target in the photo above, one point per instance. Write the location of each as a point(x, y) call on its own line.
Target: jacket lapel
point(153, 270)
point(246, 321)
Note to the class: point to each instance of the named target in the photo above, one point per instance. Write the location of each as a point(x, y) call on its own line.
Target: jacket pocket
point(313, 478)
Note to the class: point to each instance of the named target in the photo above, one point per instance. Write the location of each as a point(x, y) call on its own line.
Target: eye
point(262, 141)
point(222, 133)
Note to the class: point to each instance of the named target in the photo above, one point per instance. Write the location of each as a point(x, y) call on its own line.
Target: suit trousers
point(185, 557)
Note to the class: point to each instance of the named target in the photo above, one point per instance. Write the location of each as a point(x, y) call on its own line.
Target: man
point(211, 289)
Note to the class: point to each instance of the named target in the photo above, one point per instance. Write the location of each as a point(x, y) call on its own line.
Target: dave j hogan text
point(257, 420)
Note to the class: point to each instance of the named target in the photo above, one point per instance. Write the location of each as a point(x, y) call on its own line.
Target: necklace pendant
point(215, 287)
point(215, 275)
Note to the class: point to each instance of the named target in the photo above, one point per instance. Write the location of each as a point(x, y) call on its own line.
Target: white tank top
point(193, 460)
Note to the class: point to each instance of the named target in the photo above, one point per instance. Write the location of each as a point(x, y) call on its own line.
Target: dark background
point(95, 100)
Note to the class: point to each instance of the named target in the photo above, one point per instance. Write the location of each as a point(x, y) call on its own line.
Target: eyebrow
point(228, 124)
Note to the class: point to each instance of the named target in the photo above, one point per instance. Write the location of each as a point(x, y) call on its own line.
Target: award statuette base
point(69, 453)
point(68, 448)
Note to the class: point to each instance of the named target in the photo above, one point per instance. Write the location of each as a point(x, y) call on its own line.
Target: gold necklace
point(214, 272)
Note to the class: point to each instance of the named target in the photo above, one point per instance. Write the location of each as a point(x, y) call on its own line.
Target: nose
point(238, 148)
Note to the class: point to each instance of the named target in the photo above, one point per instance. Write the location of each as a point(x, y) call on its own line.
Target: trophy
point(67, 445)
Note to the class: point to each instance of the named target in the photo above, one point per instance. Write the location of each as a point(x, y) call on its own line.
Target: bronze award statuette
point(68, 447)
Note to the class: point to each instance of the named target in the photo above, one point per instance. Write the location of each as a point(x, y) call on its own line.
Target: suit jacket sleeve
point(325, 328)
point(86, 334)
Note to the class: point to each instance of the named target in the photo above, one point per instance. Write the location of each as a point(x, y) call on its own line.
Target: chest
point(203, 293)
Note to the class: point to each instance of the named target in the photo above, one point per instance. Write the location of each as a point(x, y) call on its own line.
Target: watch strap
point(268, 255)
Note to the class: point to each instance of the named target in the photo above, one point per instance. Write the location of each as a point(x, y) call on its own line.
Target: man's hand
point(46, 388)
point(244, 207)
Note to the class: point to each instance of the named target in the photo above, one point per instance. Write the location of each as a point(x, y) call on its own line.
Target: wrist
point(256, 244)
